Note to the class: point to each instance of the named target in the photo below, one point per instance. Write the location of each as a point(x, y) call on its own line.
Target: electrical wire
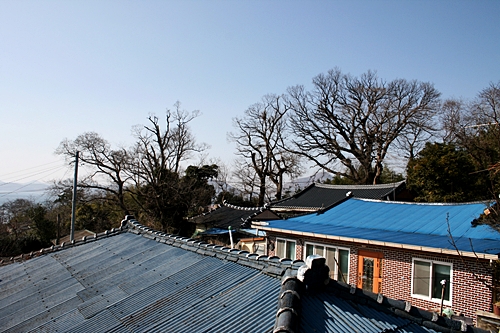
point(38, 173)
point(17, 176)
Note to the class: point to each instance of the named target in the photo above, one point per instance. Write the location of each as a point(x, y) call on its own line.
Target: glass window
point(336, 259)
point(280, 247)
point(285, 248)
point(309, 250)
point(440, 273)
point(343, 265)
point(421, 277)
point(290, 250)
point(330, 260)
point(427, 277)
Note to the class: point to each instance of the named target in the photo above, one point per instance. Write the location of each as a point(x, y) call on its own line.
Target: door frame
point(377, 271)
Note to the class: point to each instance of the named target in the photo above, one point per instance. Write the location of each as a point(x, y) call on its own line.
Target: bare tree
point(158, 155)
point(452, 118)
point(108, 167)
point(346, 125)
point(486, 107)
point(168, 148)
point(260, 137)
point(474, 126)
point(245, 179)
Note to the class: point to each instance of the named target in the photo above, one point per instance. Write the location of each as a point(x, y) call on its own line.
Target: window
point(337, 260)
point(427, 277)
point(285, 248)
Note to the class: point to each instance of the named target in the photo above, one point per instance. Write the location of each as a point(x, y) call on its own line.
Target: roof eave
point(387, 244)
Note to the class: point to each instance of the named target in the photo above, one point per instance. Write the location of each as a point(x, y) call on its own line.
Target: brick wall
point(468, 293)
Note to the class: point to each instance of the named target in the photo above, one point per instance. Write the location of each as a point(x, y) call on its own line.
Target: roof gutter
point(388, 244)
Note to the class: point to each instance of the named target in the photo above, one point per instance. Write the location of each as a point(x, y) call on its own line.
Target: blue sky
point(68, 67)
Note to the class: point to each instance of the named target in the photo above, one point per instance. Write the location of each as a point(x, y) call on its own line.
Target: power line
point(34, 167)
point(18, 190)
point(35, 173)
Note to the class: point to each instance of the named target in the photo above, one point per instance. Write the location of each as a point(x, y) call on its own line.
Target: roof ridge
point(64, 245)
point(226, 204)
point(354, 187)
point(272, 266)
point(486, 202)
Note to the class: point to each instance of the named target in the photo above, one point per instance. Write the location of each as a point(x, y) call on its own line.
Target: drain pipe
point(443, 284)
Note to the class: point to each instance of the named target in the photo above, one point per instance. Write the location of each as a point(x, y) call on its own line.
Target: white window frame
point(337, 248)
point(431, 273)
point(287, 240)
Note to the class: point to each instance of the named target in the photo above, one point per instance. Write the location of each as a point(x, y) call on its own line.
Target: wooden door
point(370, 271)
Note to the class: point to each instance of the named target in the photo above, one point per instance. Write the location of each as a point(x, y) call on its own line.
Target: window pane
point(280, 248)
point(309, 250)
point(290, 250)
point(421, 276)
point(330, 261)
point(367, 277)
point(319, 250)
point(343, 265)
point(441, 272)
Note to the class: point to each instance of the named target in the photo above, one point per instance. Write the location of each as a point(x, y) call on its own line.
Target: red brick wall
point(468, 294)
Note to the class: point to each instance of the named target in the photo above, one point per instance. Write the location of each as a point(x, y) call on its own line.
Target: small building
point(426, 254)
point(214, 226)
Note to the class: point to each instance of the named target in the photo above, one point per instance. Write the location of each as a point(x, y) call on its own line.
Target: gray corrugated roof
point(307, 304)
point(319, 196)
point(129, 283)
point(320, 314)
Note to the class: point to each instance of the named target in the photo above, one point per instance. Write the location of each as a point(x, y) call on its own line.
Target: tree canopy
point(261, 137)
point(443, 172)
point(347, 125)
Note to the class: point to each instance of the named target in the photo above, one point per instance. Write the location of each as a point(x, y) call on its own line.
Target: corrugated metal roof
point(319, 196)
point(128, 282)
point(419, 224)
point(326, 312)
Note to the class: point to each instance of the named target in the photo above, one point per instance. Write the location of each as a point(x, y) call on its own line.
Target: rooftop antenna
point(73, 201)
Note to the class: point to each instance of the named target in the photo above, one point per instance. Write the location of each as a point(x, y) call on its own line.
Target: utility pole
point(73, 202)
point(58, 228)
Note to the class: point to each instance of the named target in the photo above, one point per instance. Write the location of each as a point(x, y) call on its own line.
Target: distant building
point(319, 196)
point(214, 226)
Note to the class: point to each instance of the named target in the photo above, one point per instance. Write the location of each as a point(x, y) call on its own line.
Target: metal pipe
point(73, 201)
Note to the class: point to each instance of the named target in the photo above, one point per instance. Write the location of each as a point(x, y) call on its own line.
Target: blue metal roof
point(421, 224)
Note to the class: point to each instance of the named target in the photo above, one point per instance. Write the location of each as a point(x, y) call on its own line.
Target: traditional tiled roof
point(388, 223)
point(135, 279)
point(317, 196)
point(228, 215)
